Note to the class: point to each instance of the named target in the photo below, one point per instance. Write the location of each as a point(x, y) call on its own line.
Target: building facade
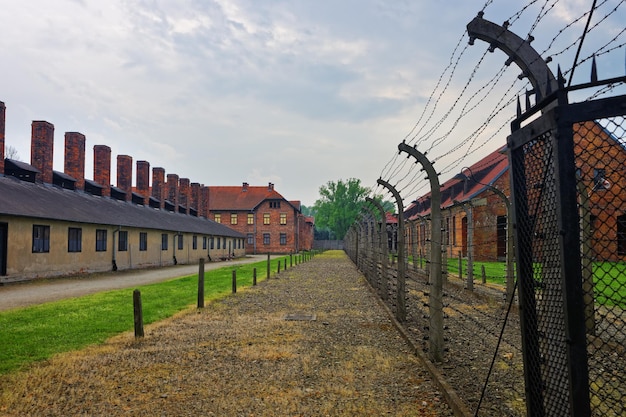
point(270, 223)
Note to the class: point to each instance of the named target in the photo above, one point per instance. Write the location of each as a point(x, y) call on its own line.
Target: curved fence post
point(435, 350)
point(384, 257)
point(401, 278)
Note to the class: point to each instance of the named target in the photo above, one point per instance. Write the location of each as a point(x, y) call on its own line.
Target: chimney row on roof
point(41, 150)
point(74, 164)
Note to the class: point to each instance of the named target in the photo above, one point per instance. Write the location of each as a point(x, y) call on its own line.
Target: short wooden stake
point(234, 281)
point(268, 266)
point(138, 313)
point(201, 283)
point(482, 270)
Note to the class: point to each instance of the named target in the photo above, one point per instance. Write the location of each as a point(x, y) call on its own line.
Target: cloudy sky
point(294, 92)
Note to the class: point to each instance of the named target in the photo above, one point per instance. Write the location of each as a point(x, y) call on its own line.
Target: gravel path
point(312, 341)
point(22, 294)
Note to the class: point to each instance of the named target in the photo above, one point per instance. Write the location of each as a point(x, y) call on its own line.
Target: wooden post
point(460, 267)
point(290, 259)
point(268, 266)
point(201, 283)
point(234, 281)
point(138, 313)
point(482, 270)
point(279, 266)
point(285, 264)
point(254, 276)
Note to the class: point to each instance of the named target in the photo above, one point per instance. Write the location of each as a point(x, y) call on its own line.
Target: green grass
point(36, 333)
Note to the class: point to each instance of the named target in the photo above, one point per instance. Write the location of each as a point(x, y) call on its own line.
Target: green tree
point(339, 204)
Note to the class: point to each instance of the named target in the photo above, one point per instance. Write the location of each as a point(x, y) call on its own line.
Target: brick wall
point(41, 150)
point(196, 197)
point(184, 193)
point(74, 164)
point(203, 211)
point(102, 168)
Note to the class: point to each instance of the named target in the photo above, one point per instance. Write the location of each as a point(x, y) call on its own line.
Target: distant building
point(271, 223)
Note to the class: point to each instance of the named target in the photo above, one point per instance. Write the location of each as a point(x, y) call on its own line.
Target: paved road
point(42, 291)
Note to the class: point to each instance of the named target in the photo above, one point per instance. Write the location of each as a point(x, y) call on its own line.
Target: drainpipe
point(114, 260)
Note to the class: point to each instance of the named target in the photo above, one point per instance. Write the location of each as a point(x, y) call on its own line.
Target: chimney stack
point(172, 190)
point(102, 168)
point(41, 148)
point(196, 201)
point(142, 181)
point(244, 187)
point(75, 158)
point(158, 185)
point(2, 121)
point(184, 193)
point(125, 175)
point(270, 186)
point(203, 210)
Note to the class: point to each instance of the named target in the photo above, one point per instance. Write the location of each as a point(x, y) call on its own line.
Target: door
point(4, 227)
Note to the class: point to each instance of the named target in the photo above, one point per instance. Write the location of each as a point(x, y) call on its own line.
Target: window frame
point(194, 242)
point(283, 219)
point(233, 218)
point(74, 243)
point(143, 241)
point(122, 247)
point(266, 219)
point(180, 242)
point(101, 240)
point(164, 241)
point(250, 219)
point(283, 239)
point(41, 238)
point(266, 239)
point(217, 217)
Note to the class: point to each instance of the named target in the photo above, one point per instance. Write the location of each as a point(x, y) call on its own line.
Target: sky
point(292, 92)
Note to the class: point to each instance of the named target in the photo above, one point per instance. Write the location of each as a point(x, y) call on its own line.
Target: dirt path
point(41, 291)
point(311, 341)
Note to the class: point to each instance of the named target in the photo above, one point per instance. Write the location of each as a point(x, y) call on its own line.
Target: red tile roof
point(240, 197)
point(458, 189)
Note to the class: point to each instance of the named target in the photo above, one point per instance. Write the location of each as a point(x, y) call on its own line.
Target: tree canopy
point(339, 204)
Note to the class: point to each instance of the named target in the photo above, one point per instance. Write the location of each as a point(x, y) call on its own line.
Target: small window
point(74, 239)
point(41, 239)
point(250, 218)
point(219, 243)
point(194, 243)
point(143, 241)
point(250, 239)
point(203, 242)
point(101, 240)
point(180, 242)
point(274, 204)
point(122, 241)
point(233, 218)
point(211, 242)
point(283, 218)
point(266, 218)
point(218, 218)
point(164, 241)
point(283, 238)
point(266, 238)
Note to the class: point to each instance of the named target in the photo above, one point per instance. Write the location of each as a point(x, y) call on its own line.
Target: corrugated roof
point(45, 201)
point(224, 198)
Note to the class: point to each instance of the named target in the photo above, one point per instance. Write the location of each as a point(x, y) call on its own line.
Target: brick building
point(269, 221)
point(599, 165)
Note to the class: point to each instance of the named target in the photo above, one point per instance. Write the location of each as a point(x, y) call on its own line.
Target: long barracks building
point(58, 223)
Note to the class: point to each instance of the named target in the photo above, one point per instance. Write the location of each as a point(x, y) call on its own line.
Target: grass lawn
point(36, 333)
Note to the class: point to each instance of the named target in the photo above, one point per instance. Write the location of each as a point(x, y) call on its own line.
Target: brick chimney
point(75, 158)
point(158, 185)
point(244, 187)
point(184, 193)
point(125, 175)
point(196, 196)
point(270, 186)
point(172, 190)
point(41, 148)
point(2, 121)
point(142, 181)
point(102, 168)
point(204, 197)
